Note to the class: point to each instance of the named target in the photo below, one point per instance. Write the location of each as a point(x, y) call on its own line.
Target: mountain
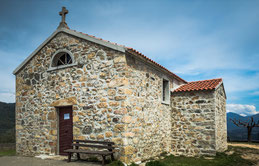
point(7, 122)
point(236, 133)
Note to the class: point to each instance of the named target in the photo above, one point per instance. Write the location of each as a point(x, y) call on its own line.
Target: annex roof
point(100, 41)
point(200, 85)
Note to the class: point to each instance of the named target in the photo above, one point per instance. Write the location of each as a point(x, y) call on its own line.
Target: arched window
point(61, 58)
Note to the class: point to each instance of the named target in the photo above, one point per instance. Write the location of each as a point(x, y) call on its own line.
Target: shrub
point(133, 164)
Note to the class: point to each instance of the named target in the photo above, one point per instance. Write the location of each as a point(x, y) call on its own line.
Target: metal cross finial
point(63, 15)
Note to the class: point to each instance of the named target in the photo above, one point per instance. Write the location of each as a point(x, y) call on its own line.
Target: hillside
point(236, 133)
point(7, 122)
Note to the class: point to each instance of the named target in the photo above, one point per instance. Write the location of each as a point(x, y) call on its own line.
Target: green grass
point(7, 153)
point(221, 159)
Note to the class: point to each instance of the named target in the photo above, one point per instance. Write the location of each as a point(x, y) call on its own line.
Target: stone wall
point(221, 119)
point(115, 96)
point(193, 123)
point(148, 119)
point(95, 88)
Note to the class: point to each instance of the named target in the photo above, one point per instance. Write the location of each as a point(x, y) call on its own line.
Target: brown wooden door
point(65, 129)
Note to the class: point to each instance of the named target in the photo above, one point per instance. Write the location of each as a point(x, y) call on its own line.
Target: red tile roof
point(199, 85)
point(140, 54)
point(131, 50)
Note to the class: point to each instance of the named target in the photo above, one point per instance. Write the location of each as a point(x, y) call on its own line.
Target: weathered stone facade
point(220, 119)
point(115, 96)
point(94, 89)
point(198, 119)
point(148, 130)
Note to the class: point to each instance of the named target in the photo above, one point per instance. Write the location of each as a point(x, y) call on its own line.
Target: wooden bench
point(106, 148)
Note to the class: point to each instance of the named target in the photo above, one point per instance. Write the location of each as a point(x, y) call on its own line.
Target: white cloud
point(242, 109)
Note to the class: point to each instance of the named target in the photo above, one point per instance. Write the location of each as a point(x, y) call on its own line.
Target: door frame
point(57, 111)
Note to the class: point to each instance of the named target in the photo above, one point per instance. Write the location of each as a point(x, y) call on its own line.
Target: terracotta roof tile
point(137, 52)
point(171, 73)
point(199, 85)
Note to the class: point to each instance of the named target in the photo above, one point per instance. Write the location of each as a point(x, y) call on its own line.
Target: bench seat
point(88, 152)
point(106, 148)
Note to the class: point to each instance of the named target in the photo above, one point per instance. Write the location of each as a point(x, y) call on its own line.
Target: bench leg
point(78, 156)
point(112, 157)
point(69, 157)
point(103, 160)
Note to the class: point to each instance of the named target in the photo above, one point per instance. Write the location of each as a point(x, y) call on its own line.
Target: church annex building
point(78, 86)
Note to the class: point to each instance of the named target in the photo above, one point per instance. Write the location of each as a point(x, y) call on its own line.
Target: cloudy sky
point(197, 39)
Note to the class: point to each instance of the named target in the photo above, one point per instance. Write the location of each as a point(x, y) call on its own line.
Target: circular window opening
point(61, 59)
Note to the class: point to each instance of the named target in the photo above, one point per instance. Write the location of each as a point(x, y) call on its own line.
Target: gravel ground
point(32, 161)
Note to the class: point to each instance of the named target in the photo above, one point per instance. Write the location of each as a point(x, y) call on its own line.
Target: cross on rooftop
point(63, 13)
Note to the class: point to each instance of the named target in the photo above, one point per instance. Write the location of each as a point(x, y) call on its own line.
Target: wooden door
point(65, 129)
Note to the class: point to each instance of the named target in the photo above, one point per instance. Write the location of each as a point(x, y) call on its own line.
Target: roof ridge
point(200, 85)
point(96, 37)
point(206, 80)
point(139, 53)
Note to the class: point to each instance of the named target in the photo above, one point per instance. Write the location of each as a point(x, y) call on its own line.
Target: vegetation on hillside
point(7, 122)
point(8, 153)
point(236, 133)
point(249, 124)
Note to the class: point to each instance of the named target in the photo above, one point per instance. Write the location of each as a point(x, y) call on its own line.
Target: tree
point(250, 124)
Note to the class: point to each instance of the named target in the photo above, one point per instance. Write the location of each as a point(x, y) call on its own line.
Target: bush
point(155, 163)
point(133, 164)
point(116, 163)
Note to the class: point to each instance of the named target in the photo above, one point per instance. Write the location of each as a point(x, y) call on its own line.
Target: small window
point(61, 59)
point(165, 92)
point(66, 116)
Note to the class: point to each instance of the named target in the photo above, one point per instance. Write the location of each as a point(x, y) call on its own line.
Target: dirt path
point(244, 145)
point(250, 154)
point(33, 161)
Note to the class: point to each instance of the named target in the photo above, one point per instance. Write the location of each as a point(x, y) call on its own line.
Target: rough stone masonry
point(116, 94)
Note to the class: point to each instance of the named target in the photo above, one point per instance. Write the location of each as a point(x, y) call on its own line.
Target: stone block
point(118, 82)
point(108, 134)
point(52, 115)
point(120, 59)
point(129, 150)
point(118, 98)
point(100, 136)
point(64, 102)
point(119, 128)
point(91, 55)
point(113, 104)
point(75, 118)
point(102, 105)
point(111, 92)
point(18, 127)
point(127, 119)
point(76, 131)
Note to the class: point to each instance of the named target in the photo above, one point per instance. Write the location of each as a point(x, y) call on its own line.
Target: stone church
point(78, 86)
